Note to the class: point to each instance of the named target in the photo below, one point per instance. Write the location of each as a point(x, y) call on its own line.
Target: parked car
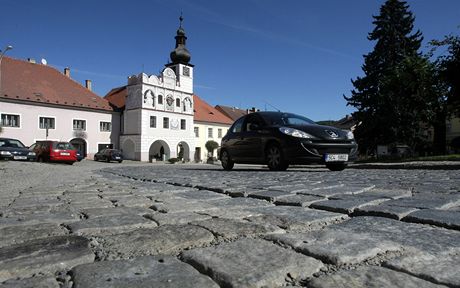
point(279, 139)
point(109, 155)
point(13, 149)
point(55, 151)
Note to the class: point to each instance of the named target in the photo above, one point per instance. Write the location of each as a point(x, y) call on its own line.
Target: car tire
point(226, 161)
point(336, 166)
point(119, 161)
point(275, 158)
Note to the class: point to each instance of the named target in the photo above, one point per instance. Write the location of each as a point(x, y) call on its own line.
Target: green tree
point(211, 146)
point(448, 68)
point(391, 96)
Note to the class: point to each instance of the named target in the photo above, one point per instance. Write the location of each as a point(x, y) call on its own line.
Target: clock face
point(186, 71)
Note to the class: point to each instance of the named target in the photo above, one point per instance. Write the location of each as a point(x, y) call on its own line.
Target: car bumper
point(63, 159)
point(17, 157)
point(305, 151)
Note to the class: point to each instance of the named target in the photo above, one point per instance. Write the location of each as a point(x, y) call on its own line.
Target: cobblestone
point(142, 225)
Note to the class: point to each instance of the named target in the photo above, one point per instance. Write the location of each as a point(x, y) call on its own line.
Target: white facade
point(205, 131)
point(158, 116)
point(67, 125)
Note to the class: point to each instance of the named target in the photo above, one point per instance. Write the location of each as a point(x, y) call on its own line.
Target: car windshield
point(287, 119)
point(64, 146)
point(11, 143)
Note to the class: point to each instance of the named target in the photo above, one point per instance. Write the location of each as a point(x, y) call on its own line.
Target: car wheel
point(119, 161)
point(336, 166)
point(226, 161)
point(275, 159)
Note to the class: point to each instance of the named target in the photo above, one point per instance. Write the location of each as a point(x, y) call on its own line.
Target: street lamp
point(9, 47)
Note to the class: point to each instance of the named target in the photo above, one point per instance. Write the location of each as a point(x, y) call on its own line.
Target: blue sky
point(295, 55)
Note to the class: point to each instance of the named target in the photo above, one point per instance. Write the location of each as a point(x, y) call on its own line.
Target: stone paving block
point(110, 225)
point(336, 247)
point(376, 194)
point(370, 276)
point(383, 210)
point(241, 191)
point(239, 203)
point(428, 201)
point(175, 205)
point(202, 195)
point(251, 263)
point(44, 256)
point(176, 218)
point(17, 234)
point(166, 239)
point(337, 189)
point(91, 204)
point(442, 268)
point(346, 206)
point(295, 218)
point(269, 195)
point(147, 271)
point(298, 200)
point(37, 218)
point(35, 282)
point(230, 213)
point(113, 211)
point(230, 229)
point(130, 201)
point(410, 235)
point(443, 218)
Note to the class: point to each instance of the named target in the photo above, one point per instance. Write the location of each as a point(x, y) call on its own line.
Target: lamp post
point(9, 47)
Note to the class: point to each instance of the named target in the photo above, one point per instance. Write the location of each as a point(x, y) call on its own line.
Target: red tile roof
point(22, 80)
point(117, 96)
point(206, 113)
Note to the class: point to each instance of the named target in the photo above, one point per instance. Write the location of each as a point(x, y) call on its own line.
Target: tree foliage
point(448, 71)
point(391, 96)
point(211, 146)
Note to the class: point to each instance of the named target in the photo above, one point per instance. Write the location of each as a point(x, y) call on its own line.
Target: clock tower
point(158, 116)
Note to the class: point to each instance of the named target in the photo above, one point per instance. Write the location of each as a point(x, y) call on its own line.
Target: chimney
point(67, 71)
point(30, 60)
point(88, 85)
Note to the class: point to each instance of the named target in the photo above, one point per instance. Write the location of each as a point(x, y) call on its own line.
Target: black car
point(13, 149)
point(279, 139)
point(109, 155)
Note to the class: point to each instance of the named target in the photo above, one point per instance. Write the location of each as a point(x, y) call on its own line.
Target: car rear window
point(63, 146)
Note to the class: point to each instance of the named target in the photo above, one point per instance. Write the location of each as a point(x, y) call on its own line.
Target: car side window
point(253, 123)
point(237, 126)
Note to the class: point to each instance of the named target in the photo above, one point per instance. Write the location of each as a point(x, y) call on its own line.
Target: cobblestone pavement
point(156, 225)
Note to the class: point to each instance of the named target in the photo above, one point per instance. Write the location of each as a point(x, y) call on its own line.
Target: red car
point(55, 151)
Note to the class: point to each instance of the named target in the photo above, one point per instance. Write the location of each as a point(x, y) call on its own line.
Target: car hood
point(322, 132)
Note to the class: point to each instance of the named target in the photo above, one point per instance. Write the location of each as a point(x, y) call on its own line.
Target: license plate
point(20, 157)
point(65, 154)
point(117, 157)
point(336, 157)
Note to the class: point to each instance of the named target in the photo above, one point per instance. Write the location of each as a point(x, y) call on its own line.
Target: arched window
point(177, 102)
point(160, 99)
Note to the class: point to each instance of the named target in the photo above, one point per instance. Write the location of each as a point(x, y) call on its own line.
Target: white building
point(157, 111)
point(37, 102)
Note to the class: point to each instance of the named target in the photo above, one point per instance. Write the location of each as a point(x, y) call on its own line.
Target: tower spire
point(180, 55)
